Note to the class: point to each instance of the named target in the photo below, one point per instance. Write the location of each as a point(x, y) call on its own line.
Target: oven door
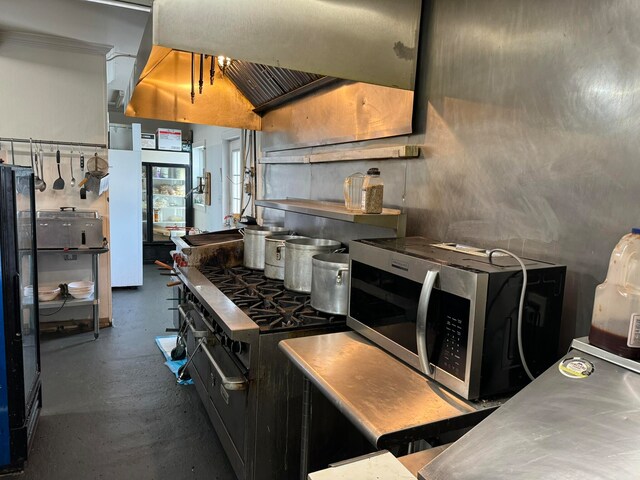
point(429, 315)
point(223, 387)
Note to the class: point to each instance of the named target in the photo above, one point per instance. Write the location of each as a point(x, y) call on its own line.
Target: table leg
point(306, 426)
point(96, 296)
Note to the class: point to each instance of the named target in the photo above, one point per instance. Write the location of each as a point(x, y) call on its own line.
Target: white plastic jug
point(615, 324)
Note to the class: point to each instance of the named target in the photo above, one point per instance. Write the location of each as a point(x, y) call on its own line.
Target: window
point(236, 176)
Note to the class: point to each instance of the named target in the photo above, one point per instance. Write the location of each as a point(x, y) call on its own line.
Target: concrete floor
point(113, 410)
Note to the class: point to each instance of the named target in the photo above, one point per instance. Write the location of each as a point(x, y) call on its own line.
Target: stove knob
point(236, 347)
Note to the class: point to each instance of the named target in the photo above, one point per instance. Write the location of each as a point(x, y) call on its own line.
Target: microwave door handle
point(421, 321)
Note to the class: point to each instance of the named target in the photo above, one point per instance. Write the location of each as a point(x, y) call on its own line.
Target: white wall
point(51, 91)
point(85, 21)
point(216, 141)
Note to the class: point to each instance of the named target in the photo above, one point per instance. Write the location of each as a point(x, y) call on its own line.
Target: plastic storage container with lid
point(615, 324)
point(372, 192)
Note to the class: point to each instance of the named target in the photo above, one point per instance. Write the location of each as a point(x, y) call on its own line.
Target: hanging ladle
point(43, 187)
point(37, 181)
point(73, 179)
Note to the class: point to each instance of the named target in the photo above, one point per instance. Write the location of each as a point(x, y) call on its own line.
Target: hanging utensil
point(73, 179)
point(193, 92)
point(83, 190)
point(200, 82)
point(59, 183)
point(13, 158)
point(31, 153)
point(97, 166)
point(38, 183)
point(212, 69)
point(43, 186)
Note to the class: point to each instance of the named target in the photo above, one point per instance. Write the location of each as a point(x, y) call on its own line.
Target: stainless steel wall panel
point(528, 117)
point(337, 114)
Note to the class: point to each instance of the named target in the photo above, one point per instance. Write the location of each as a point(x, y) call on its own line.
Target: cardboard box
point(148, 141)
point(169, 139)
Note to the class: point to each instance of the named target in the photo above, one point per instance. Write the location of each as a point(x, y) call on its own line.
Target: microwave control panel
point(454, 348)
point(451, 322)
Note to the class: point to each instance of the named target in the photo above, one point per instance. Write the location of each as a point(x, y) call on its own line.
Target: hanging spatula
point(59, 183)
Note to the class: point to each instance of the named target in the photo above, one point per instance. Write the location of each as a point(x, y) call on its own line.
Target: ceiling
point(85, 21)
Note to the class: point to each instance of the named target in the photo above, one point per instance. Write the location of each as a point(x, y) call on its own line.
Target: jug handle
point(621, 257)
point(339, 250)
point(626, 283)
point(241, 231)
point(345, 189)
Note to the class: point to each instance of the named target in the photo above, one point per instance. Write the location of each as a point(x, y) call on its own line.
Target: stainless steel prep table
point(94, 300)
point(387, 401)
point(557, 427)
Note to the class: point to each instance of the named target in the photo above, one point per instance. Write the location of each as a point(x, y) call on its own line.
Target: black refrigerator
point(166, 208)
point(20, 394)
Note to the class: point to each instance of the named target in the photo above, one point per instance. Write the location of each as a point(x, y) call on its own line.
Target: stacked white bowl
point(82, 289)
point(46, 293)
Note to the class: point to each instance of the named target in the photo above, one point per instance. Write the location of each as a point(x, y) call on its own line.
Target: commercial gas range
point(234, 319)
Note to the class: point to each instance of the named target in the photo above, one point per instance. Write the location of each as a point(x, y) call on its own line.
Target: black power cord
point(64, 291)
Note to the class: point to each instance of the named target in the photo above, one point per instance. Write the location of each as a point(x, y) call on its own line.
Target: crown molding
point(53, 41)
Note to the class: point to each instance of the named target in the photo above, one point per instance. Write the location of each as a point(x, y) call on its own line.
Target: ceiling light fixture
point(121, 4)
point(223, 63)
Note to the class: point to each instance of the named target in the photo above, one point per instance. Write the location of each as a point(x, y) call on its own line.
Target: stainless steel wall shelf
point(389, 218)
point(326, 155)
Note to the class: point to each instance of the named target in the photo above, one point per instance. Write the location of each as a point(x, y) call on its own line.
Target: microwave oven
point(451, 312)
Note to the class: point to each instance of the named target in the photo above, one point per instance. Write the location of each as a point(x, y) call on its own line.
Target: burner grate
point(266, 301)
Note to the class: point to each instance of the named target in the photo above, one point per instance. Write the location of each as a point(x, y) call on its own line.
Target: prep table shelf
point(53, 304)
point(389, 218)
point(73, 251)
point(71, 302)
point(94, 300)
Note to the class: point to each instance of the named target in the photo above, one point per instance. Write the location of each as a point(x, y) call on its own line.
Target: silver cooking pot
point(298, 264)
point(254, 244)
point(330, 283)
point(274, 255)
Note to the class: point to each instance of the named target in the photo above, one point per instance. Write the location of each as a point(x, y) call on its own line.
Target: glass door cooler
point(20, 397)
point(167, 209)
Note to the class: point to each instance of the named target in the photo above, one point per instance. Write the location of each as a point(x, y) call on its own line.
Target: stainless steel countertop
point(236, 324)
point(415, 461)
point(384, 398)
point(557, 427)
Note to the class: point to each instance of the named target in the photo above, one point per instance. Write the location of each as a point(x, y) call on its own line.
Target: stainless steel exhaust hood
point(280, 49)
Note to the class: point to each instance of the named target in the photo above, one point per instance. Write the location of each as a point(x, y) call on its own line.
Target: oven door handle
point(199, 345)
point(229, 383)
point(196, 333)
point(421, 321)
point(190, 309)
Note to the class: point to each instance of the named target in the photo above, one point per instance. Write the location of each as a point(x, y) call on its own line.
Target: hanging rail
point(53, 142)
